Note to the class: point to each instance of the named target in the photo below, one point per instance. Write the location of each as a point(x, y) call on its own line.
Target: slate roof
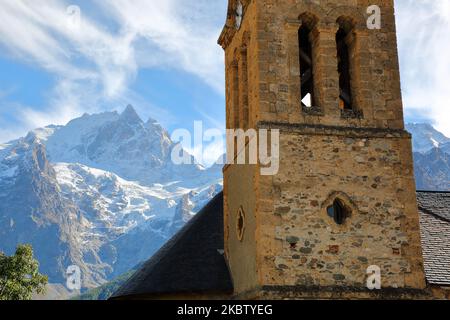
point(191, 262)
point(434, 208)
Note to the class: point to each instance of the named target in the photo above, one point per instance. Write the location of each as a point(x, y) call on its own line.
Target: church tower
point(341, 210)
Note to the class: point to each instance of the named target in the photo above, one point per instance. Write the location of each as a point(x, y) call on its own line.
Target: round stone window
point(338, 211)
point(240, 224)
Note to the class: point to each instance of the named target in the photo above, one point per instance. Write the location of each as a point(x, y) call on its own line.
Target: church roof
point(434, 208)
point(191, 262)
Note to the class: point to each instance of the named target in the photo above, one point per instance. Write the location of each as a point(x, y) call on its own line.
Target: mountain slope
point(122, 144)
point(92, 192)
point(431, 157)
point(446, 147)
point(432, 170)
point(104, 292)
point(32, 209)
point(425, 137)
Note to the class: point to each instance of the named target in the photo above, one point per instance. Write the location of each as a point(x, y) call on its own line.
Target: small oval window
point(240, 224)
point(338, 212)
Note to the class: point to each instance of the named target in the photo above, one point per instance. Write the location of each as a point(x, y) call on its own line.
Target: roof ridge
point(432, 191)
point(429, 212)
point(179, 265)
point(161, 254)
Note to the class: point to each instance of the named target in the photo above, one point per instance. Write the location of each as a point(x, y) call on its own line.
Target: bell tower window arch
point(306, 67)
point(235, 95)
point(306, 60)
point(244, 111)
point(345, 66)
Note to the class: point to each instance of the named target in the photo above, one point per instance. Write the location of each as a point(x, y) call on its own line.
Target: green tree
point(19, 275)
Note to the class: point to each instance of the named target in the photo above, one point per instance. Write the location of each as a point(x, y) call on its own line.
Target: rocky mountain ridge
point(92, 192)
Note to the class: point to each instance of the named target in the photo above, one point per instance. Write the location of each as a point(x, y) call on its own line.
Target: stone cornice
point(359, 132)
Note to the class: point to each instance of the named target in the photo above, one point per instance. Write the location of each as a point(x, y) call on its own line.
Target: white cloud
point(424, 44)
point(96, 62)
point(183, 33)
point(69, 106)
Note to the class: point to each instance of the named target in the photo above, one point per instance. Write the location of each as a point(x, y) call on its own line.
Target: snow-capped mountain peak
point(130, 116)
point(93, 191)
point(119, 143)
point(431, 157)
point(426, 137)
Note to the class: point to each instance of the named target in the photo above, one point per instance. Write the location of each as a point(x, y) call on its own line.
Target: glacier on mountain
point(100, 192)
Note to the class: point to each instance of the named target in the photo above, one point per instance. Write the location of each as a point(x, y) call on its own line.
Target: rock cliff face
point(32, 209)
point(431, 157)
point(100, 193)
point(432, 170)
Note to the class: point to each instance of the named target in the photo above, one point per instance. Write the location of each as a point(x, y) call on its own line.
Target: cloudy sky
point(161, 56)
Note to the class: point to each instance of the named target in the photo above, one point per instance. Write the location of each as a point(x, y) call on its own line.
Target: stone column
point(360, 74)
point(326, 77)
point(243, 90)
point(235, 95)
point(293, 81)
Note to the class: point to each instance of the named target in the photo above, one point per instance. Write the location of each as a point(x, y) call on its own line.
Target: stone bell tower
point(343, 203)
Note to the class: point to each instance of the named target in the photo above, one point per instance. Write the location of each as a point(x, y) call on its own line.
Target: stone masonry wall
point(371, 173)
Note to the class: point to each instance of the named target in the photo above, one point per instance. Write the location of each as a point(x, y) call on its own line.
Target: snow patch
point(8, 172)
point(435, 143)
point(109, 201)
point(44, 133)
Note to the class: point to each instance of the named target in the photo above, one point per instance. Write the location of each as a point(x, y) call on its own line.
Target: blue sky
point(162, 57)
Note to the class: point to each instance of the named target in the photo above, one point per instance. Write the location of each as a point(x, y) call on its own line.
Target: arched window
point(343, 56)
point(244, 87)
point(306, 66)
point(240, 224)
point(235, 97)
